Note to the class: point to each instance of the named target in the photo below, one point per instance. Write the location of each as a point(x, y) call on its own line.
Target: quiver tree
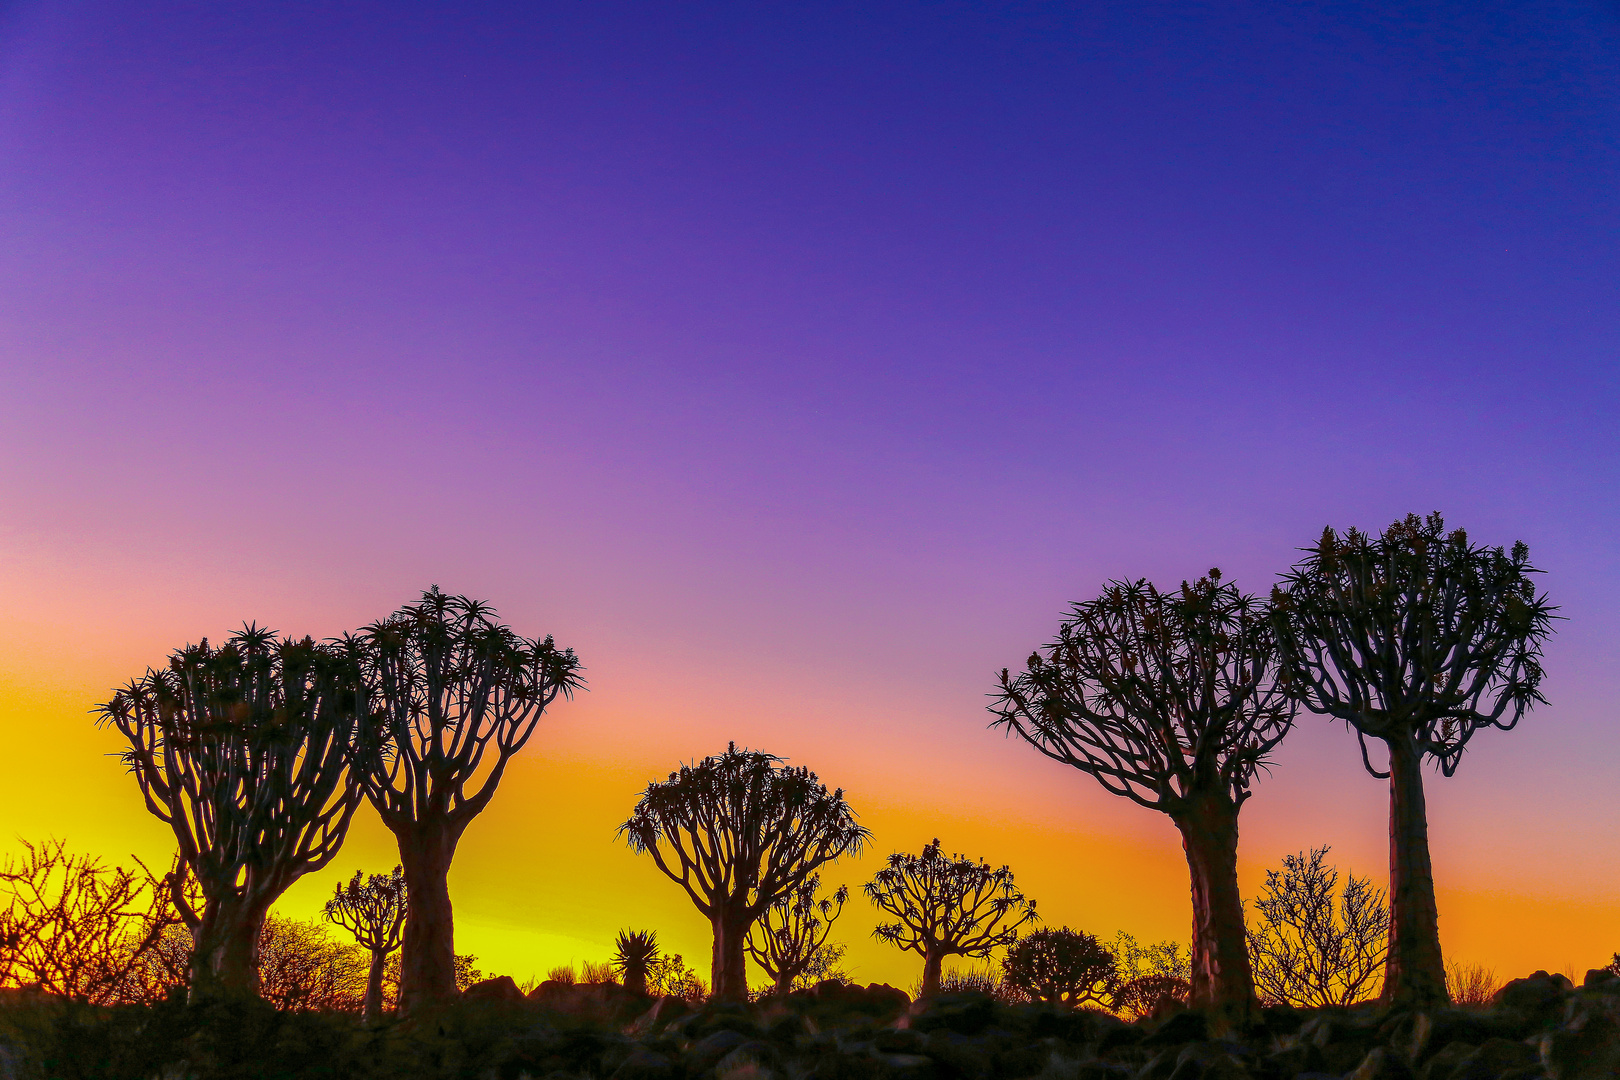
point(373, 910)
point(1418, 639)
point(243, 751)
point(739, 831)
point(633, 955)
point(1062, 967)
point(947, 906)
point(453, 695)
point(1312, 944)
point(785, 940)
point(1170, 700)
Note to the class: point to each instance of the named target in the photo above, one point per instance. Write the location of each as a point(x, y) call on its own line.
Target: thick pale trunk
point(371, 1011)
point(428, 954)
point(933, 962)
point(1222, 982)
point(225, 950)
point(1415, 971)
point(728, 975)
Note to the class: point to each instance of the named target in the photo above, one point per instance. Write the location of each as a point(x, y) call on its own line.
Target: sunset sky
point(797, 365)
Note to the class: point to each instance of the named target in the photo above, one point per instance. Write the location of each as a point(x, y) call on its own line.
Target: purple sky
point(798, 365)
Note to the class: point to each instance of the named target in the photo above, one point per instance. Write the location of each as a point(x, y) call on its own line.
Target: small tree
point(373, 910)
point(633, 955)
point(1312, 945)
point(793, 930)
point(1418, 639)
point(1149, 975)
point(243, 751)
point(947, 906)
point(739, 833)
point(453, 696)
point(1170, 700)
point(1062, 967)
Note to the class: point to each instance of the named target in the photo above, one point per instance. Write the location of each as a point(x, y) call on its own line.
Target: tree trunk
point(1222, 982)
point(225, 950)
point(1415, 972)
point(428, 954)
point(729, 972)
point(933, 961)
point(371, 1012)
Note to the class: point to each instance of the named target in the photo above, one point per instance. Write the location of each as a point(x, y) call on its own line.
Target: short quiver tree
point(739, 831)
point(633, 956)
point(1418, 639)
point(373, 910)
point(243, 751)
point(1170, 700)
point(1313, 945)
point(947, 906)
point(788, 934)
point(453, 695)
point(1062, 967)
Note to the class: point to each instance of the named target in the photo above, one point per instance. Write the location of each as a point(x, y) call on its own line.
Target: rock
point(1120, 1038)
point(751, 1056)
point(599, 1003)
point(967, 1014)
point(962, 1056)
point(1211, 1061)
point(644, 1064)
point(1300, 1058)
point(1601, 979)
point(1440, 1066)
point(907, 1067)
point(1183, 1027)
point(1492, 1059)
point(1381, 1064)
point(501, 989)
point(1588, 1047)
point(664, 1010)
point(1020, 1059)
point(707, 1052)
point(1103, 1070)
point(1282, 1019)
point(1538, 999)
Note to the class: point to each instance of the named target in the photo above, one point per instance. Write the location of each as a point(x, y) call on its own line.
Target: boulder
point(645, 1064)
point(1381, 1063)
point(1601, 979)
point(1493, 1058)
point(907, 1067)
point(967, 1014)
point(1183, 1027)
point(963, 1056)
point(501, 989)
point(708, 1051)
point(1538, 999)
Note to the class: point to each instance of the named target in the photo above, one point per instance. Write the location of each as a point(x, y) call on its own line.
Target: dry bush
point(1471, 984)
point(598, 972)
point(668, 974)
point(563, 973)
point(1313, 944)
point(302, 969)
point(1149, 974)
point(73, 926)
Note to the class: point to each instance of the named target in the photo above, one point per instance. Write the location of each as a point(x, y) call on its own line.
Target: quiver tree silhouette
point(739, 833)
point(1313, 945)
point(947, 906)
point(1170, 700)
point(1062, 967)
point(633, 956)
point(1419, 639)
point(785, 940)
point(243, 751)
point(453, 694)
point(373, 910)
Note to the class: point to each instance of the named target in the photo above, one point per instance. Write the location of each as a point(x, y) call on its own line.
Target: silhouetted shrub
point(1471, 984)
point(1062, 966)
point(1312, 944)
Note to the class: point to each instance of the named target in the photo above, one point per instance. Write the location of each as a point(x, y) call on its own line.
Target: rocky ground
point(1536, 1027)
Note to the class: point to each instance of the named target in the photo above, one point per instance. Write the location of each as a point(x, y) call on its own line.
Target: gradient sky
point(797, 365)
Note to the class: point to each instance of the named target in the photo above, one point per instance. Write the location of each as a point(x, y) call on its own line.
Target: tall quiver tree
point(453, 695)
point(739, 832)
point(1169, 699)
point(243, 751)
point(373, 910)
point(1418, 639)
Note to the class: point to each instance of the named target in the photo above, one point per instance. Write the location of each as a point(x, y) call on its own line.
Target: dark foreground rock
point(1537, 1028)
